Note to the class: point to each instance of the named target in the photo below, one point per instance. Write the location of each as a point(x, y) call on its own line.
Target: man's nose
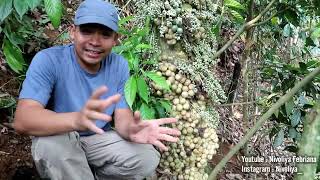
point(95, 39)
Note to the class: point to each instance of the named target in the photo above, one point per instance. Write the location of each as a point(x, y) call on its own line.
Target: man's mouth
point(92, 53)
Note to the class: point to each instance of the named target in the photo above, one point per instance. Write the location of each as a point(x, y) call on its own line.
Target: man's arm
point(123, 120)
point(32, 118)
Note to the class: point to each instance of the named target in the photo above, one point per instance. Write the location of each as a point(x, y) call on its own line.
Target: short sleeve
point(40, 79)
point(125, 74)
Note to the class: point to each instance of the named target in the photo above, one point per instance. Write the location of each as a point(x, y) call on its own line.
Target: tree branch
point(242, 29)
point(244, 67)
point(269, 18)
point(309, 144)
point(262, 120)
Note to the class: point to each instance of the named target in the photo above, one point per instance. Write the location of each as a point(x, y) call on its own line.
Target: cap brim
point(98, 20)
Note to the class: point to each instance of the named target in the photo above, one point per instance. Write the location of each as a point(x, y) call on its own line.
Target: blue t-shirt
point(56, 80)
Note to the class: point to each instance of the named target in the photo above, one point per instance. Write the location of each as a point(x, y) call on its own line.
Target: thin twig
point(2, 86)
point(8, 125)
point(269, 18)
point(234, 104)
point(122, 9)
point(2, 152)
point(4, 95)
point(65, 30)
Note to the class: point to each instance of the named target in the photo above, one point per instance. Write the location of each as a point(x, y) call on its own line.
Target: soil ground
point(15, 157)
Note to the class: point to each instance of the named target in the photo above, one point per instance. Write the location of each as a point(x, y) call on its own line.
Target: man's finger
point(166, 121)
point(102, 104)
point(111, 100)
point(168, 138)
point(99, 92)
point(94, 115)
point(169, 131)
point(92, 127)
point(95, 104)
point(160, 145)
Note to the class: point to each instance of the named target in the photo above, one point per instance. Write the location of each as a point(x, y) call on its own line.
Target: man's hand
point(94, 109)
point(152, 133)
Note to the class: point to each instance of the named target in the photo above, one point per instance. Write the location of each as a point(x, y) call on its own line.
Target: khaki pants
point(68, 156)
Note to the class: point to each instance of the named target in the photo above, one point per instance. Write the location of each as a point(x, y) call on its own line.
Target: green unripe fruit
point(174, 28)
point(178, 21)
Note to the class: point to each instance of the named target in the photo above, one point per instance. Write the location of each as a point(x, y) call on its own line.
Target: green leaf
point(287, 31)
point(279, 138)
point(159, 80)
point(13, 56)
point(5, 9)
point(316, 33)
point(143, 89)
point(124, 20)
point(292, 133)
point(143, 46)
point(292, 17)
point(234, 4)
point(310, 42)
point(295, 118)
point(215, 30)
point(143, 32)
point(130, 90)
point(289, 106)
point(33, 3)
point(135, 63)
point(6, 101)
point(146, 112)
point(14, 38)
point(129, 56)
point(21, 6)
point(273, 131)
point(54, 10)
point(238, 17)
point(291, 149)
point(275, 21)
point(313, 64)
point(160, 110)
point(302, 100)
point(166, 105)
point(120, 49)
point(150, 61)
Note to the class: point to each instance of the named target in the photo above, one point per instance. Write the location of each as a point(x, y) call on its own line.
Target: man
point(79, 88)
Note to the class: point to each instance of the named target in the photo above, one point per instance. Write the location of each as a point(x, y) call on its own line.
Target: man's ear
point(72, 31)
point(116, 39)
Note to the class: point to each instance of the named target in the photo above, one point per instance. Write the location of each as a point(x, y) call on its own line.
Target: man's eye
point(106, 34)
point(86, 31)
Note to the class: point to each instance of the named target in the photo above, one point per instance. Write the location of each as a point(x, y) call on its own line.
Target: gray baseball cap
point(97, 11)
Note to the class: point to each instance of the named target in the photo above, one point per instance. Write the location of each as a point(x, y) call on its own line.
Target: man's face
point(93, 42)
